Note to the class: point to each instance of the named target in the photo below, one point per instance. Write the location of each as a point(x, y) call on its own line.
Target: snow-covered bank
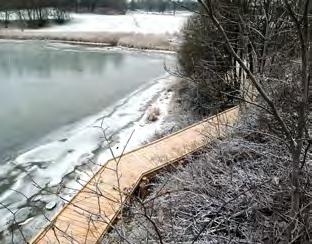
point(133, 22)
point(78, 143)
point(140, 41)
point(67, 154)
point(135, 30)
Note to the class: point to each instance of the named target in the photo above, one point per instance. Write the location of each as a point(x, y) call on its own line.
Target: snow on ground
point(57, 158)
point(133, 22)
point(85, 137)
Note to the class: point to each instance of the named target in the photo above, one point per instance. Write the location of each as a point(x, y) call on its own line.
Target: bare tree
point(292, 127)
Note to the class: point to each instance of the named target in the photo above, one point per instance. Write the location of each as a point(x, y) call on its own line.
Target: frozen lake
point(51, 98)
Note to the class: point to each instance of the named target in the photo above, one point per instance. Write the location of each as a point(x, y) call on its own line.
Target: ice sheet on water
point(61, 156)
point(72, 145)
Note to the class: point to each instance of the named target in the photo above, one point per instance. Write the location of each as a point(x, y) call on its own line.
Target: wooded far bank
point(39, 13)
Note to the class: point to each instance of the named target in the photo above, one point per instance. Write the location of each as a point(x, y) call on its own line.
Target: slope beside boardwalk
point(94, 208)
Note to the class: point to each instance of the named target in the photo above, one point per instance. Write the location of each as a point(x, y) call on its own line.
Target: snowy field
point(133, 22)
point(140, 30)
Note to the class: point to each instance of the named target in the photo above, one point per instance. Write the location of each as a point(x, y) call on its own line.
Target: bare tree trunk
point(295, 138)
point(7, 19)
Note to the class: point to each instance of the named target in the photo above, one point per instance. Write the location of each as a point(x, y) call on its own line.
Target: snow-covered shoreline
point(133, 30)
point(132, 22)
point(116, 39)
point(82, 143)
point(73, 147)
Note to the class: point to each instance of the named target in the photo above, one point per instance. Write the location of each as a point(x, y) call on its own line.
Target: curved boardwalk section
point(94, 208)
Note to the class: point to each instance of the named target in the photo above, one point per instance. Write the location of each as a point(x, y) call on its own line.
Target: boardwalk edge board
point(227, 117)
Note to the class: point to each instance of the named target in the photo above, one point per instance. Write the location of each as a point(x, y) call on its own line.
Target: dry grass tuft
point(131, 40)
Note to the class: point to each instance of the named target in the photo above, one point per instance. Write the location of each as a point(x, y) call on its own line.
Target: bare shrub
point(204, 64)
point(234, 191)
point(146, 41)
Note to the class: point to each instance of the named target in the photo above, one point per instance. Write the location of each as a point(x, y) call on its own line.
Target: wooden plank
point(81, 217)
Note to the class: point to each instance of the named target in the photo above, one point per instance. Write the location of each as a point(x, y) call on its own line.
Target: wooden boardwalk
point(96, 206)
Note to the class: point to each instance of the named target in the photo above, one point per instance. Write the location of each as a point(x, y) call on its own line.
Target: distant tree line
point(38, 13)
point(101, 6)
point(33, 13)
point(162, 5)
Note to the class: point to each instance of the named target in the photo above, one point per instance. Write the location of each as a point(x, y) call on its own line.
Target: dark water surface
point(43, 87)
point(46, 86)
